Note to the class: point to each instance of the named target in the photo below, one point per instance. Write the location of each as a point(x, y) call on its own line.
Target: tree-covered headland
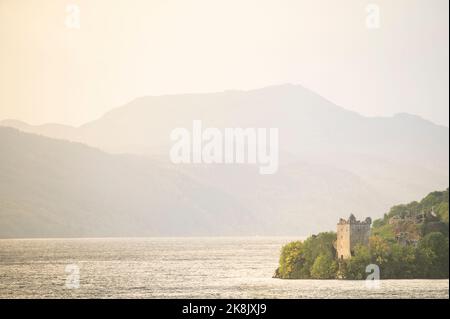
point(410, 241)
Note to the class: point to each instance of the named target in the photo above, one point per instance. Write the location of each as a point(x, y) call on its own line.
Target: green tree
point(355, 267)
point(442, 212)
point(401, 264)
point(324, 267)
point(433, 254)
point(379, 250)
point(297, 258)
point(292, 261)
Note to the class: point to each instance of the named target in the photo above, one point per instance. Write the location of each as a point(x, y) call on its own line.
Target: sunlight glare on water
point(218, 267)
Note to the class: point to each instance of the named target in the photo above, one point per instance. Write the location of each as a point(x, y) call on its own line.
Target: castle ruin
point(350, 233)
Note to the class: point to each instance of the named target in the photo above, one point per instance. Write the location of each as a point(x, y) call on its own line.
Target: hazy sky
point(124, 49)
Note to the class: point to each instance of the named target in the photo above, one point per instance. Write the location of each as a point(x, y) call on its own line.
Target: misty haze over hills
point(333, 162)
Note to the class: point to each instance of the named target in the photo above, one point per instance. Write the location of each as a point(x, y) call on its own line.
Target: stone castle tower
point(350, 233)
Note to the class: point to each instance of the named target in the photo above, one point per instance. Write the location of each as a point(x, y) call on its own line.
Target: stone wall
point(350, 233)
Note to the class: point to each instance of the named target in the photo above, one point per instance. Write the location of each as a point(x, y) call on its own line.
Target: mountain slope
point(54, 188)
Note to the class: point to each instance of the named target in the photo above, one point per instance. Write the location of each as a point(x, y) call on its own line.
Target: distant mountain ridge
point(307, 123)
point(332, 162)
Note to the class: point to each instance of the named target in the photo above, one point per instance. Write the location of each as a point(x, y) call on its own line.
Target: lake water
point(173, 268)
